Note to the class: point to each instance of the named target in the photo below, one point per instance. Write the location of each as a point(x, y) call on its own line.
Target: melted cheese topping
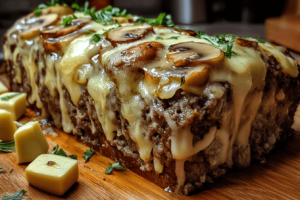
point(77, 66)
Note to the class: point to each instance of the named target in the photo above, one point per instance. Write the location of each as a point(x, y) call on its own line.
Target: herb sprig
point(105, 15)
point(162, 20)
point(67, 21)
point(84, 9)
point(61, 152)
point(88, 154)
point(17, 196)
point(114, 166)
point(7, 98)
point(226, 41)
point(7, 147)
point(38, 11)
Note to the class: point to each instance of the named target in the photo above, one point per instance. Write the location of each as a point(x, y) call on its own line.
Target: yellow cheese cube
point(52, 173)
point(3, 88)
point(30, 142)
point(16, 104)
point(7, 126)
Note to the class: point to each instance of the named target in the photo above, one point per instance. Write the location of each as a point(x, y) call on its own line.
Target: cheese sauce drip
point(77, 66)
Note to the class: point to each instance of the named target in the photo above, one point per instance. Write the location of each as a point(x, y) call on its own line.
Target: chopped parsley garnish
point(67, 21)
point(88, 32)
point(88, 154)
point(73, 156)
point(159, 38)
point(84, 8)
point(224, 41)
point(203, 35)
point(58, 151)
point(161, 20)
point(173, 38)
point(96, 38)
point(114, 166)
point(260, 40)
point(179, 29)
point(1, 169)
point(247, 38)
point(7, 147)
point(17, 196)
point(182, 80)
point(61, 152)
point(105, 15)
point(6, 98)
point(38, 11)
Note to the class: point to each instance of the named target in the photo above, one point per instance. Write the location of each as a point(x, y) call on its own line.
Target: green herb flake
point(247, 38)
point(17, 196)
point(173, 38)
point(6, 98)
point(1, 169)
point(182, 80)
point(61, 152)
point(260, 40)
point(114, 166)
point(159, 38)
point(105, 15)
point(88, 32)
point(96, 38)
point(84, 9)
point(67, 21)
point(161, 20)
point(7, 147)
point(88, 154)
point(37, 12)
point(73, 156)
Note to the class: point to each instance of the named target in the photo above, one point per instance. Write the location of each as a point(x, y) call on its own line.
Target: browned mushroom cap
point(181, 32)
point(57, 44)
point(135, 57)
point(247, 43)
point(36, 23)
point(60, 10)
point(128, 34)
point(195, 53)
point(57, 31)
point(122, 20)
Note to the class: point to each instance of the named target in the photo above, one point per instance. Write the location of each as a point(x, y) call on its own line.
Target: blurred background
point(240, 17)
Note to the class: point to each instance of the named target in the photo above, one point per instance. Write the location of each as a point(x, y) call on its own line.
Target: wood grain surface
point(285, 31)
point(278, 178)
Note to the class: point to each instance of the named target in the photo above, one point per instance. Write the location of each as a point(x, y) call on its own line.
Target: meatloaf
point(177, 107)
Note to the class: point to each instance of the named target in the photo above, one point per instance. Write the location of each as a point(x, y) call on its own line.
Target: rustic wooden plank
point(278, 178)
point(285, 31)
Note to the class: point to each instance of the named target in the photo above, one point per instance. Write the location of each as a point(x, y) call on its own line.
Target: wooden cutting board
point(285, 31)
point(278, 178)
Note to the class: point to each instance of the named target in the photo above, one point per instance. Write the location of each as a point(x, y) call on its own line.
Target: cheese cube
point(52, 173)
point(14, 103)
point(3, 88)
point(30, 142)
point(7, 126)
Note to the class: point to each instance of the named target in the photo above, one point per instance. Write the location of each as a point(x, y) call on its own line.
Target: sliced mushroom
point(57, 44)
point(195, 53)
point(122, 20)
point(35, 24)
point(246, 43)
point(134, 58)
point(128, 34)
point(57, 31)
point(60, 10)
point(175, 30)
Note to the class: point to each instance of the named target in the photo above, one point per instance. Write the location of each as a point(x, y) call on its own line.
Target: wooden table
point(278, 178)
